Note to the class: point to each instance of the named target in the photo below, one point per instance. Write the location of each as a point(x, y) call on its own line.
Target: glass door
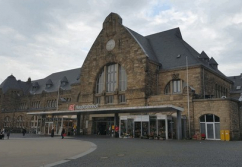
point(130, 127)
point(210, 130)
point(48, 127)
point(137, 129)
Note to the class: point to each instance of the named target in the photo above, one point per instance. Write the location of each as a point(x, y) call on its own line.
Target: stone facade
point(148, 84)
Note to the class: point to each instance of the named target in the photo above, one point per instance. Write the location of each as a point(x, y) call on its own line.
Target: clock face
point(110, 45)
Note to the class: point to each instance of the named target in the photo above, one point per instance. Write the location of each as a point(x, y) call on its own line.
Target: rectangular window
point(176, 86)
point(97, 100)
point(111, 78)
point(122, 99)
point(122, 79)
point(100, 82)
point(109, 99)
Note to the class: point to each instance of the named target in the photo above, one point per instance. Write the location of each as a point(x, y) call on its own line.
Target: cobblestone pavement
point(114, 152)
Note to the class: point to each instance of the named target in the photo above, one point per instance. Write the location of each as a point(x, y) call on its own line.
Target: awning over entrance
point(161, 108)
point(138, 109)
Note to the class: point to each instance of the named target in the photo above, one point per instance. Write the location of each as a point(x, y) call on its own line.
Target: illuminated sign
point(89, 106)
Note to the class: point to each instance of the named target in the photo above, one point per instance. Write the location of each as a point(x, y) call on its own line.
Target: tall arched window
point(111, 78)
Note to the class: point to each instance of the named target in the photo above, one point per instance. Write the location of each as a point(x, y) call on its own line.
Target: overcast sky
point(38, 38)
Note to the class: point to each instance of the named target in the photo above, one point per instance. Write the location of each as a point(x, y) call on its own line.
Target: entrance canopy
point(161, 108)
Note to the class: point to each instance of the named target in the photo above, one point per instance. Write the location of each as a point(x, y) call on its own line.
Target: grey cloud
point(63, 31)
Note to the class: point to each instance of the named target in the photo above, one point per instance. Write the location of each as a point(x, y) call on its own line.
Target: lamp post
point(188, 106)
point(57, 107)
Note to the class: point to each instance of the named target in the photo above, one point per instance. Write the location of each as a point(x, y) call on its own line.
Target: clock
point(110, 45)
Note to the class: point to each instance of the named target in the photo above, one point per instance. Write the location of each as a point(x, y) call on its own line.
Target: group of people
point(62, 133)
point(2, 133)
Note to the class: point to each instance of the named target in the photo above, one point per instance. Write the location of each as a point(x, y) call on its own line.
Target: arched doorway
point(210, 126)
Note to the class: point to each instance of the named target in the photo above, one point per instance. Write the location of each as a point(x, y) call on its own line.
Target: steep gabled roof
point(144, 44)
point(204, 56)
point(170, 50)
point(212, 61)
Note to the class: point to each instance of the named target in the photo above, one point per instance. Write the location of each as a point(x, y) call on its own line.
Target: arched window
point(174, 87)
point(111, 78)
point(210, 126)
point(20, 121)
point(7, 121)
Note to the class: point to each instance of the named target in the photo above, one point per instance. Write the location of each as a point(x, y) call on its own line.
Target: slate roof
point(144, 44)
point(170, 50)
point(10, 83)
point(237, 80)
point(70, 77)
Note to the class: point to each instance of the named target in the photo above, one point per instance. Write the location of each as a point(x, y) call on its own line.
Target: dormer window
point(35, 86)
point(49, 83)
point(64, 81)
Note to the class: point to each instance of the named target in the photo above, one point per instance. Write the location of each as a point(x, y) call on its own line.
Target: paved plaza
point(102, 151)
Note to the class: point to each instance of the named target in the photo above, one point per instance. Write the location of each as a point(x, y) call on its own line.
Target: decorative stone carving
point(175, 76)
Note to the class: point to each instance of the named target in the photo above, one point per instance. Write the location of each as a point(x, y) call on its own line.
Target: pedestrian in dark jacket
point(52, 132)
point(23, 131)
point(62, 133)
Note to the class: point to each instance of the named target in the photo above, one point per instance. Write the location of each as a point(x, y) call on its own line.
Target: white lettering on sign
point(86, 106)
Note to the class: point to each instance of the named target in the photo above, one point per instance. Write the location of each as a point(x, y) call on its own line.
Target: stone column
point(178, 126)
point(166, 122)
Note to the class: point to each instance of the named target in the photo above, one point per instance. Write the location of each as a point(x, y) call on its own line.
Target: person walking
point(52, 132)
point(63, 133)
point(3, 133)
point(8, 133)
point(23, 131)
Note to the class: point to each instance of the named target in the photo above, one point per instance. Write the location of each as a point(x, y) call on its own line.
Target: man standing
point(52, 132)
point(8, 133)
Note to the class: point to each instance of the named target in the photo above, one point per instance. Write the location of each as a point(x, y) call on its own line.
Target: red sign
point(72, 107)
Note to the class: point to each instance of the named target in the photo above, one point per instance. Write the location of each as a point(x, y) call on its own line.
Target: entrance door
point(48, 127)
point(102, 128)
point(210, 126)
point(137, 129)
point(210, 131)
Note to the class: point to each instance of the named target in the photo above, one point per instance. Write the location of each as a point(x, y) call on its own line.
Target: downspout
point(203, 85)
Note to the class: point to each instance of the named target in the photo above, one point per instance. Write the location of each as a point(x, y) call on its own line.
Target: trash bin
point(222, 135)
point(227, 135)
